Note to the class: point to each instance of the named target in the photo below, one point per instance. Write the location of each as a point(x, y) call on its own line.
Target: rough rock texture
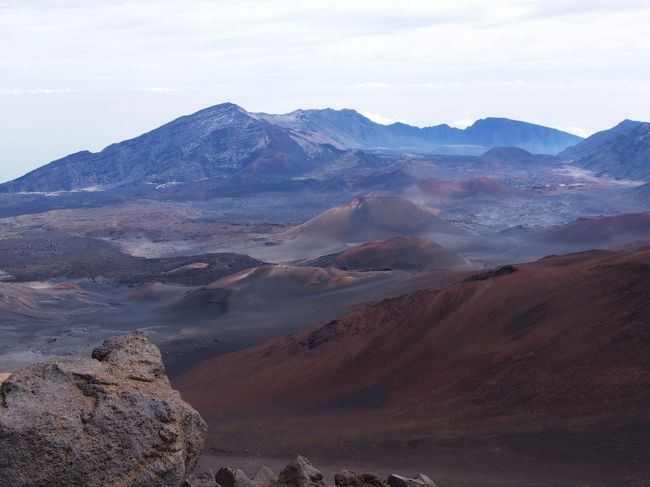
point(348, 478)
point(419, 481)
point(227, 477)
point(204, 480)
point(264, 477)
point(301, 473)
point(110, 421)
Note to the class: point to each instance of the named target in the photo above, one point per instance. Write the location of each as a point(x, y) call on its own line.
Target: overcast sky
point(82, 74)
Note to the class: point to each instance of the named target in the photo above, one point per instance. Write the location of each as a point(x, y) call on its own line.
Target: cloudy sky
point(81, 74)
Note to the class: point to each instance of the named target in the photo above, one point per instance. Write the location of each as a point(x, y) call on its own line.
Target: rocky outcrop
point(301, 473)
point(419, 481)
point(264, 477)
point(109, 421)
point(348, 478)
point(227, 477)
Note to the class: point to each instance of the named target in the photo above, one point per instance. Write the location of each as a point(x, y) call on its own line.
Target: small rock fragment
point(347, 478)
point(419, 481)
point(264, 477)
point(301, 473)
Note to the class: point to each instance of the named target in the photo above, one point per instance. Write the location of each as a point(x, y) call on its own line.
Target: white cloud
point(566, 63)
point(461, 124)
point(376, 117)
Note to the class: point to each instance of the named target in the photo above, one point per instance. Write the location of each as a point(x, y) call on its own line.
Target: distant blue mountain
point(622, 151)
point(225, 140)
point(350, 129)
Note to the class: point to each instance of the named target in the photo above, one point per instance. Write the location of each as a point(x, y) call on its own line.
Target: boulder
point(300, 473)
point(227, 477)
point(206, 479)
point(264, 477)
point(3, 377)
point(347, 478)
point(419, 481)
point(109, 421)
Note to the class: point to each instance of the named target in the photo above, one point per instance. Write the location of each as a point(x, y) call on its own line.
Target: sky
point(77, 75)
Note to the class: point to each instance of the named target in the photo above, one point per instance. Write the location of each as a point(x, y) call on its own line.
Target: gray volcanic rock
point(110, 421)
point(264, 477)
point(348, 478)
point(206, 479)
point(301, 473)
point(419, 481)
point(227, 477)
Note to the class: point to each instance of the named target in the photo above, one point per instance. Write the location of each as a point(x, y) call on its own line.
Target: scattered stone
point(347, 478)
point(227, 477)
point(206, 479)
point(301, 473)
point(419, 481)
point(264, 477)
point(110, 421)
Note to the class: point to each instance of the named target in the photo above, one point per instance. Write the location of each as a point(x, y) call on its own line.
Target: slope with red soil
point(432, 190)
point(372, 218)
point(602, 231)
point(547, 364)
point(401, 253)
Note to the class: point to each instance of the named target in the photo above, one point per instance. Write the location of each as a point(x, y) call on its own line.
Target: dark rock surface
point(301, 473)
point(110, 421)
point(419, 481)
point(347, 478)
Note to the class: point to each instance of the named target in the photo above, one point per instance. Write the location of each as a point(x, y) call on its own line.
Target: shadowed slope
point(602, 231)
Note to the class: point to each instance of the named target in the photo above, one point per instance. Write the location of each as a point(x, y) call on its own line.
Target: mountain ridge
point(622, 151)
point(226, 140)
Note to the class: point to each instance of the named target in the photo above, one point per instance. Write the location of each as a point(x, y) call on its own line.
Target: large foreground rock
point(110, 421)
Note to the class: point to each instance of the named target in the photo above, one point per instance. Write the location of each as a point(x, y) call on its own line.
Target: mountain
point(626, 229)
point(226, 140)
point(212, 143)
point(622, 151)
point(372, 218)
point(516, 156)
point(350, 129)
point(524, 363)
point(401, 253)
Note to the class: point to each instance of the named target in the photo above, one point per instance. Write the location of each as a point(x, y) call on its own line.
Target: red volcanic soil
point(608, 231)
point(373, 218)
point(483, 188)
point(403, 253)
point(66, 286)
point(543, 370)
